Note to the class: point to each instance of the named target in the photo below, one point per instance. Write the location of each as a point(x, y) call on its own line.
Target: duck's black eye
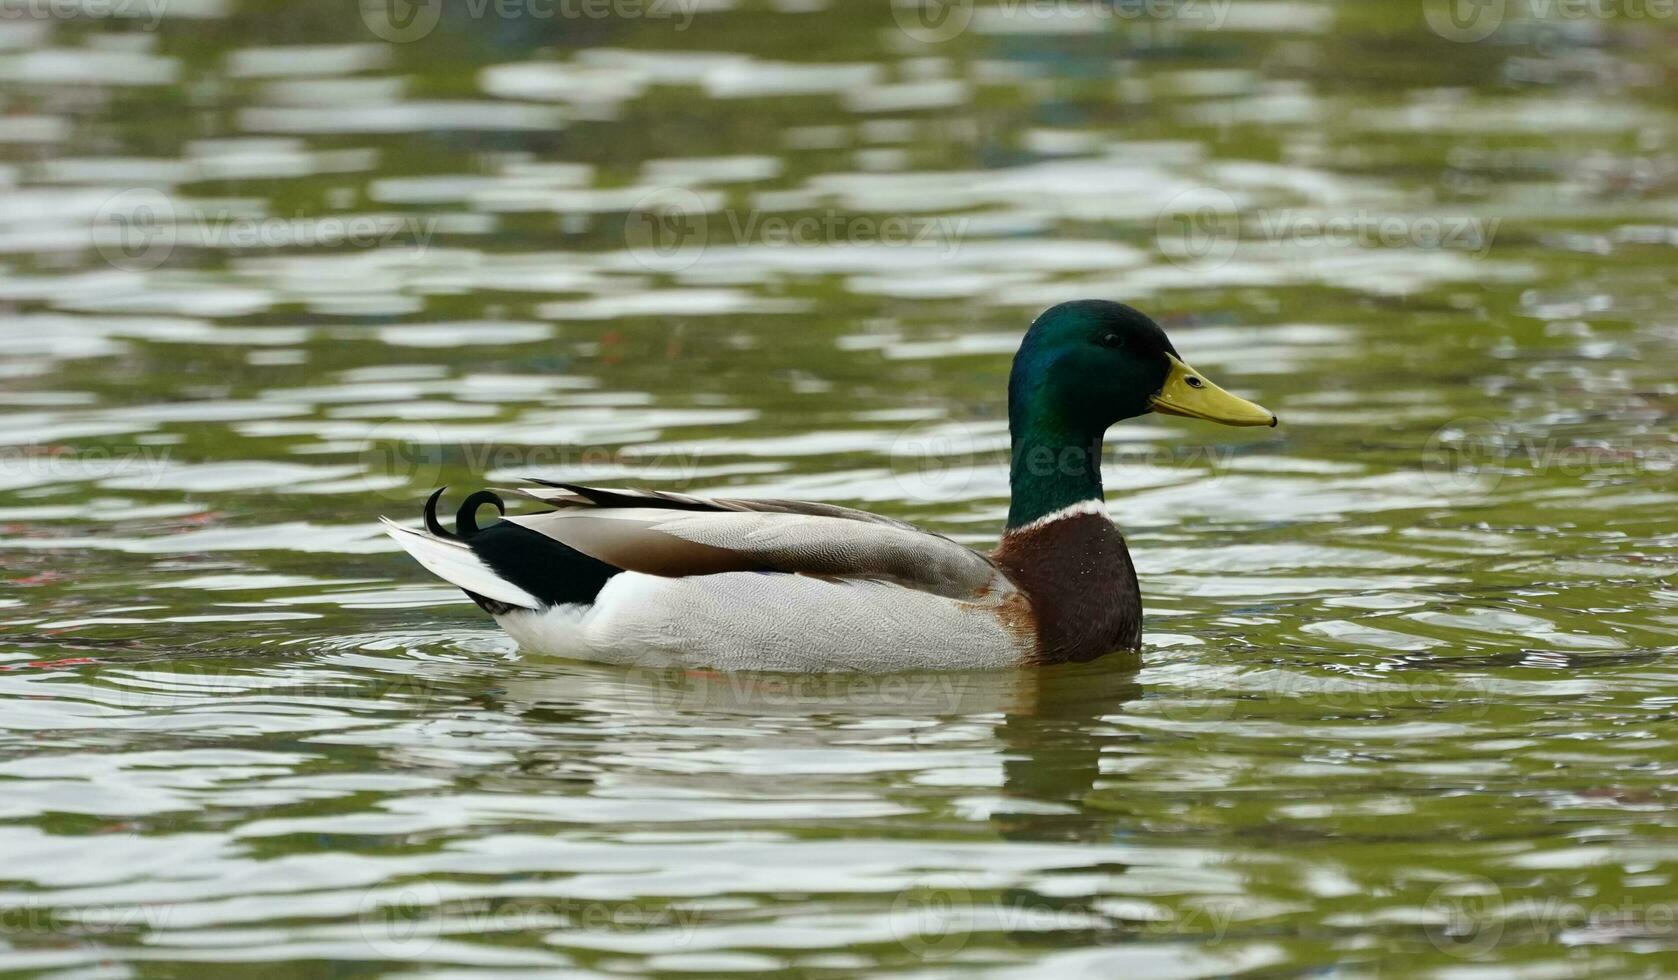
point(1112, 340)
point(1194, 382)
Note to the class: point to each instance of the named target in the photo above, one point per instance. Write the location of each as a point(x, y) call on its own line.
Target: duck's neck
point(1056, 467)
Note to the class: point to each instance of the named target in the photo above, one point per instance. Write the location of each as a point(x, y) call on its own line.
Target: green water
point(1406, 706)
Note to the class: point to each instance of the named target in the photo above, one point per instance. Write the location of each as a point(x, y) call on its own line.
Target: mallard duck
point(654, 578)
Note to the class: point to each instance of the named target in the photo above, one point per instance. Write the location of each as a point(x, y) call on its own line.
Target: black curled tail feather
point(431, 523)
point(548, 569)
point(466, 518)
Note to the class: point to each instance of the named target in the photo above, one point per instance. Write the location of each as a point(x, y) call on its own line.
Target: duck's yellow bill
point(1187, 392)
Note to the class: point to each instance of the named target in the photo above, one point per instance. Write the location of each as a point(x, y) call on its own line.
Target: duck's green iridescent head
point(1083, 366)
point(1087, 364)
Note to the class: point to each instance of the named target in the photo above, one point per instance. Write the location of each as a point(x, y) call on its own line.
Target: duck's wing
point(567, 555)
point(678, 543)
point(570, 495)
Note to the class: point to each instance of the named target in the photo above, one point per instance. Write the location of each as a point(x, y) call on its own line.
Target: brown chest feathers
point(1077, 573)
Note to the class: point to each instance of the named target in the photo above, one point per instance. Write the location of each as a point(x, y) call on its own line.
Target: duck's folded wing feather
point(569, 495)
point(679, 542)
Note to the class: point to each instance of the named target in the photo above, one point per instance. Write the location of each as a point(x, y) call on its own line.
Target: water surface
point(267, 274)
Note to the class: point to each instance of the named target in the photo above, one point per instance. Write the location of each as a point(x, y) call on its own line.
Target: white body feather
point(769, 621)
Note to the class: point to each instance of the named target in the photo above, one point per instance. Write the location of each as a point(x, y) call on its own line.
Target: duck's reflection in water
point(1014, 755)
point(1052, 739)
point(1029, 741)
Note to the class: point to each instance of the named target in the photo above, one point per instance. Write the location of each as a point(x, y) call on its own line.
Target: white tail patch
point(455, 563)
